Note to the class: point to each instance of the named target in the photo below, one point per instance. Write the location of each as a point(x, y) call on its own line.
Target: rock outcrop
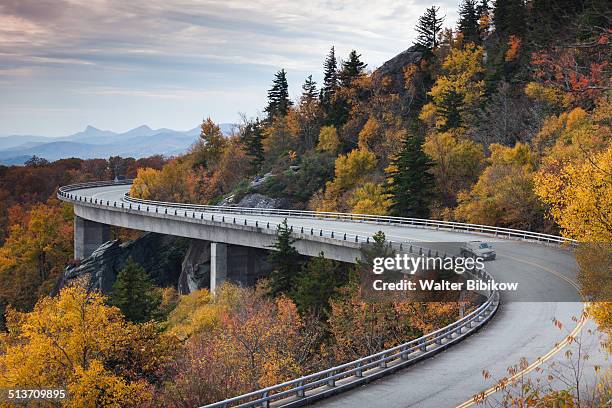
point(160, 255)
point(195, 269)
point(256, 200)
point(394, 68)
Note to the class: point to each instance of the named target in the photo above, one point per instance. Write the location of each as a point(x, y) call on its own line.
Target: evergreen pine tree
point(252, 140)
point(428, 28)
point(509, 18)
point(450, 109)
point(482, 8)
point(330, 82)
point(410, 182)
point(468, 21)
point(316, 284)
point(352, 69)
point(278, 96)
point(285, 261)
point(309, 91)
point(134, 293)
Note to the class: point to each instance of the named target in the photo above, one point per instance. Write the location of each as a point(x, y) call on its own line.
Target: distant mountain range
point(94, 143)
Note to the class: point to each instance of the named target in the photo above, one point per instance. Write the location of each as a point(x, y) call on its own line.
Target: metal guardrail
point(298, 391)
point(378, 219)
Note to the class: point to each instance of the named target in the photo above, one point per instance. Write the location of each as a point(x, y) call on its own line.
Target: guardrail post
point(331, 381)
point(266, 403)
point(423, 346)
point(359, 372)
point(300, 392)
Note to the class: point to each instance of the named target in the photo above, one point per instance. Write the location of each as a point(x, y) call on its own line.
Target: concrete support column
point(88, 236)
point(218, 265)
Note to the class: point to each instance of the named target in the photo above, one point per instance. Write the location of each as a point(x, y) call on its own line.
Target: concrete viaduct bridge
point(542, 264)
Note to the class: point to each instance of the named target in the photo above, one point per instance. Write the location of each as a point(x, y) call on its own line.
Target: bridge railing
point(379, 219)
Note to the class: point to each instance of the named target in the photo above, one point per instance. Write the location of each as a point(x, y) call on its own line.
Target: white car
point(480, 249)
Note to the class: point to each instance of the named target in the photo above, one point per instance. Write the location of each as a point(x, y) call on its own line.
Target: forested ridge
point(503, 119)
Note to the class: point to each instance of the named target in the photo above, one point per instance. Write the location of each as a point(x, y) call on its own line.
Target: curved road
point(523, 326)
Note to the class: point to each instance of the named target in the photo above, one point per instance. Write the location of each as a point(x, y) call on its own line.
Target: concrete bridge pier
point(218, 265)
point(88, 236)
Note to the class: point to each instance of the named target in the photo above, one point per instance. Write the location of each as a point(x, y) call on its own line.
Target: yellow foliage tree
point(370, 198)
point(145, 184)
point(176, 182)
point(34, 253)
point(350, 170)
point(457, 163)
point(580, 197)
point(575, 178)
point(70, 342)
point(504, 194)
point(328, 140)
point(353, 167)
point(459, 90)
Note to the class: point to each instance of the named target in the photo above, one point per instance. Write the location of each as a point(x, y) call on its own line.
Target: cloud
point(66, 47)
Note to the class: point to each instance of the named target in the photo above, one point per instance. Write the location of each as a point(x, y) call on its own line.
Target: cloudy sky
point(118, 64)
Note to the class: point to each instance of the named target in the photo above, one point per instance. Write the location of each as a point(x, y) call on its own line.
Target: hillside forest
point(503, 120)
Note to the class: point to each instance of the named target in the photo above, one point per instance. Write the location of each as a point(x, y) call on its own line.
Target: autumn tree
point(285, 261)
point(258, 342)
point(409, 180)
point(75, 341)
point(212, 142)
point(278, 97)
point(134, 293)
point(457, 93)
point(280, 138)
point(371, 198)
point(35, 252)
point(350, 170)
point(328, 140)
point(176, 181)
point(428, 28)
point(504, 194)
point(575, 177)
point(457, 163)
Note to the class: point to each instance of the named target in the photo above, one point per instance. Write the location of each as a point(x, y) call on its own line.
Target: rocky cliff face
point(394, 68)
point(160, 255)
point(195, 269)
